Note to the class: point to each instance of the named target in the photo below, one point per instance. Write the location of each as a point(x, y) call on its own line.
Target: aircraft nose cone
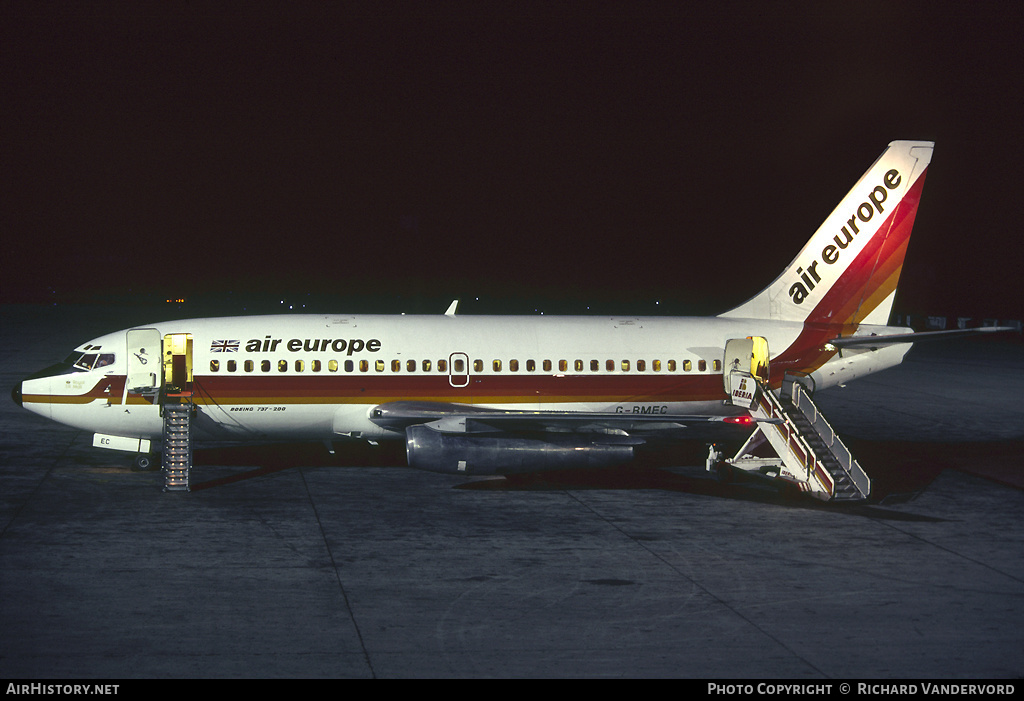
point(16, 394)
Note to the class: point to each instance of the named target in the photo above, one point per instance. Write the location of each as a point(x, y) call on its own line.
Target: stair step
point(177, 461)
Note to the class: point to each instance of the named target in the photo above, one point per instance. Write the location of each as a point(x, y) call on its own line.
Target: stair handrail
point(811, 460)
point(801, 399)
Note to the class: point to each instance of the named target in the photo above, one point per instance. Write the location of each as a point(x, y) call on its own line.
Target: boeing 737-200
point(505, 394)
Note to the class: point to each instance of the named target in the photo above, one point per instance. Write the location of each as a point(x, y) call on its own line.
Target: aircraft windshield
point(88, 361)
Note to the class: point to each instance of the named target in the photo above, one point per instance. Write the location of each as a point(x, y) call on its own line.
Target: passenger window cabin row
point(459, 366)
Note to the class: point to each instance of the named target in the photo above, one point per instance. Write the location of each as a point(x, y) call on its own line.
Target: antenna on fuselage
point(452, 307)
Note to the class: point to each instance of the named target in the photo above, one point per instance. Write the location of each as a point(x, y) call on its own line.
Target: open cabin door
point(745, 356)
point(144, 353)
point(178, 364)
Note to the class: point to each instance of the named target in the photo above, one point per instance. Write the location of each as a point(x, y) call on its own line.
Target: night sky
point(633, 157)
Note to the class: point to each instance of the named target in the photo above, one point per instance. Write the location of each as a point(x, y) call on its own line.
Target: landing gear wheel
point(144, 462)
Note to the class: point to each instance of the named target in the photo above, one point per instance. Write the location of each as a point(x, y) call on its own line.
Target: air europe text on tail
point(830, 255)
point(848, 271)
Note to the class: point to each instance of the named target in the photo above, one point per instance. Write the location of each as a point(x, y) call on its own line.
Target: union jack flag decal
point(224, 347)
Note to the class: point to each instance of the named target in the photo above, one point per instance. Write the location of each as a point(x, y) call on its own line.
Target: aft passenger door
point(745, 355)
point(759, 358)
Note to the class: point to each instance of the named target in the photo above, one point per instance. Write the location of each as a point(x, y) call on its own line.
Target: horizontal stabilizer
point(888, 340)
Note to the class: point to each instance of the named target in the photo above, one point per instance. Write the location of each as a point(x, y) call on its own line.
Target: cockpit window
point(84, 362)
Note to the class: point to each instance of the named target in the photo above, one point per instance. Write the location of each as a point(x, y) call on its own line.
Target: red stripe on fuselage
point(347, 389)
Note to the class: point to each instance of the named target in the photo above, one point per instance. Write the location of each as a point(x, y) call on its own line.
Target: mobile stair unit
point(808, 453)
point(178, 410)
point(177, 454)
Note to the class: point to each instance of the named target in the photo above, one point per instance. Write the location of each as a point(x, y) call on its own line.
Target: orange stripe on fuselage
point(370, 389)
point(492, 389)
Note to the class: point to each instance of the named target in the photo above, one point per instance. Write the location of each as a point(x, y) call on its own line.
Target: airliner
point(486, 395)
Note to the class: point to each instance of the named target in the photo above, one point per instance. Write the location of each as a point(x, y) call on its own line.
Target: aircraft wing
point(605, 427)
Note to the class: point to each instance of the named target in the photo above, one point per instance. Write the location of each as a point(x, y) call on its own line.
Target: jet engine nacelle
point(435, 451)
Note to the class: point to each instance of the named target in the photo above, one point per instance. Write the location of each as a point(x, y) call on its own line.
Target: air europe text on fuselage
point(832, 253)
point(313, 345)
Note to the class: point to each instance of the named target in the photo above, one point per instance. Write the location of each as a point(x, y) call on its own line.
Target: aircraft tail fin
point(848, 271)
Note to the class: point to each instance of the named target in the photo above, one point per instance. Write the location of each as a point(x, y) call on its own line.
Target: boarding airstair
point(177, 410)
point(177, 452)
point(809, 454)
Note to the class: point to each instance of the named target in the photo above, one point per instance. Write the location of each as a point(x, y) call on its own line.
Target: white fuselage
point(307, 377)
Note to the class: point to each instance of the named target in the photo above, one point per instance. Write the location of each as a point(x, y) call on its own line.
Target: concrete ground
point(287, 562)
